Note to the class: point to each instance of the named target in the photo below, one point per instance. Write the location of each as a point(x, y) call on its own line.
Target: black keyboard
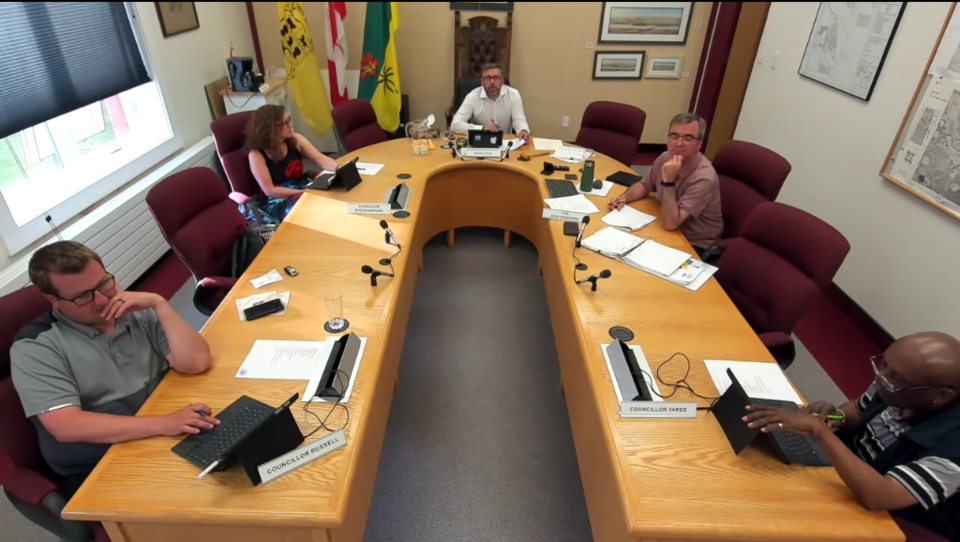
point(796, 448)
point(560, 188)
point(223, 437)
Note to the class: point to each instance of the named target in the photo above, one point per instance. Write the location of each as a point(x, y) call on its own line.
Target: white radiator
point(122, 230)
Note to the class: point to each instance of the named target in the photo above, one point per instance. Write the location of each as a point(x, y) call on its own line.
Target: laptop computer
point(346, 175)
point(791, 448)
point(485, 139)
point(243, 424)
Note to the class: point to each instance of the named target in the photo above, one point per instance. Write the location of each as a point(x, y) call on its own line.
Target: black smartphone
point(263, 309)
point(570, 176)
point(571, 228)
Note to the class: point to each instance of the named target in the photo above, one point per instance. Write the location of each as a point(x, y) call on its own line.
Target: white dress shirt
point(478, 110)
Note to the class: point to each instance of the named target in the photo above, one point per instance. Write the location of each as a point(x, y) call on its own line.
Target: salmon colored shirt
point(698, 193)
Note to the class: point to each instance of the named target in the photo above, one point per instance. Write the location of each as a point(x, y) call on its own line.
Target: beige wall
point(550, 63)
point(902, 249)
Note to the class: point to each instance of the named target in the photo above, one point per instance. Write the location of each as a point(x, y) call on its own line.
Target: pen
point(830, 416)
point(208, 469)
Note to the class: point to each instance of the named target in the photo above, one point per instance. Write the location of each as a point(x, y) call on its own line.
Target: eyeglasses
point(686, 139)
point(879, 364)
point(106, 287)
point(288, 121)
point(492, 78)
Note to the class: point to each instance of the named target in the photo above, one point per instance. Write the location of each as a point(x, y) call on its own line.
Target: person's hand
point(190, 419)
point(524, 135)
point(617, 202)
point(671, 169)
point(822, 409)
point(125, 302)
point(491, 126)
point(768, 418)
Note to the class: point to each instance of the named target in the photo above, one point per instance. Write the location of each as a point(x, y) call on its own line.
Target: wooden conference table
point(647, 480)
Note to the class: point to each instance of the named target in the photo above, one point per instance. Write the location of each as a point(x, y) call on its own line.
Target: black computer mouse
point(597, 185)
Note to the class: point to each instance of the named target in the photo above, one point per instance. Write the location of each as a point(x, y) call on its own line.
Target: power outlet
point(685, 74)
point(565, 122)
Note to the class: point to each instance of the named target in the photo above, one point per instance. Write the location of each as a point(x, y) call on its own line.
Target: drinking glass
point(333, 301)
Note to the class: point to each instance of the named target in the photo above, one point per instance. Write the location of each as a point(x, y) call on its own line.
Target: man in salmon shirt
point(685, 183)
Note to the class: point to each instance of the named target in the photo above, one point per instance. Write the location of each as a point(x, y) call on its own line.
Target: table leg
point(450, 238)
point(506, 238)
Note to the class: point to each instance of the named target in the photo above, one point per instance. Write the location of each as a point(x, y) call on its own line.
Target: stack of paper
point(611, 242)
point(661, 259)
point(512, 144)
point(602, 192)
point(364, 168)
point(542, 144)
point(628, 218)
point(573, 155)
point(574, 204)
point(759, 380)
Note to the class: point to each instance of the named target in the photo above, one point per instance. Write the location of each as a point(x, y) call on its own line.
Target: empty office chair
point(229, 135)
point(356, 125)
point(749, 175)
point(613, 129)
point(201, 223)
point(777, 268)
point(33, 489)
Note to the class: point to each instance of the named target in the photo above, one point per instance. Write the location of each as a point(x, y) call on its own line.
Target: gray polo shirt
point(56, 362)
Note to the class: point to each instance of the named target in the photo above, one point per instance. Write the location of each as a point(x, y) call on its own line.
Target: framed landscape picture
point(177, 17)
point(661, 23)
point(618, 64)
point(664, 67)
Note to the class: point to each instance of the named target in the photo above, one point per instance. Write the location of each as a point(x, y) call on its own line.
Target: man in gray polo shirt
point(83, 370)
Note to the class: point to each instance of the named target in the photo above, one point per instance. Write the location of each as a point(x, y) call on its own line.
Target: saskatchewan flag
point(303, 73)
point(379, 75)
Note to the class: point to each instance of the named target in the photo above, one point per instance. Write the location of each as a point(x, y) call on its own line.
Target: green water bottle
point(586, 178)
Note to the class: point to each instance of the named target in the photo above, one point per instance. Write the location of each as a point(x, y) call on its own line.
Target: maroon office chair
point(613, 129)
point(229, 135)
point(916, 533)
point(355, 124)
point(749, 175)
point(777, 268)
point(32, 487)
point(201, 223)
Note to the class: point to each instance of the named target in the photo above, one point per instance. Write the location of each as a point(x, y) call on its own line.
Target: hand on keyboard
point(190, 419)
point(770, 418)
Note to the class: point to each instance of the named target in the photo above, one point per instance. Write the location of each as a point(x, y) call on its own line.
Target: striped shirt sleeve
point(867, 396)
point(931, 480)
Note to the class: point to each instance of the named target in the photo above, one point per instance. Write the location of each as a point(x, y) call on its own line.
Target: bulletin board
point(924, 158)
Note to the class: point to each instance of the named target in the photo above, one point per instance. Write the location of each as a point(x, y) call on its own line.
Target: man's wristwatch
point(668, 185)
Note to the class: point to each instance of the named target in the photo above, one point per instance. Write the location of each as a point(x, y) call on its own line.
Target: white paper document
point(575, 204)
point(315, 377)
point(542, 144)
point(611, 242)
point(512, 144)
point(269, 278)
point(759, 380)
point(642, 364)
point(257, 299)
point(602, 192)
point(284, 360)
point(573, 155)
point(365, 168)
point(661, 259)
point(628, 218)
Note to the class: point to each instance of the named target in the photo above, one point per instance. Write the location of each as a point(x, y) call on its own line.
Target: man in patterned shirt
point(898, 446)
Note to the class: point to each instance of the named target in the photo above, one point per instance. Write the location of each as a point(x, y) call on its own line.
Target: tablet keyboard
point(223, 437)
point(560, 188)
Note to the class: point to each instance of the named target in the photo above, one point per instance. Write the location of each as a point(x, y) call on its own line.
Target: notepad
point(611, 242)
point(542, 144)
point(572, 155)
point(759, 380)
point(600, 192)
point(628, 218)
point(658, 258)
point(364, 168)
point(575, 204)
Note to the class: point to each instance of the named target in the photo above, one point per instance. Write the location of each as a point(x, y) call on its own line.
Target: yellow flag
point(303, 73)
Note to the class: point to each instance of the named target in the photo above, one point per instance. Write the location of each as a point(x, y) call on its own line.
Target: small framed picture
point(177, 17)
point(636, 23)
point(664, 67)
point(618, 64)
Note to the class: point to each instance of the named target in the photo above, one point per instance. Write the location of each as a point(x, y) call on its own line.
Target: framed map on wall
point(848, 44)
point(924, 158)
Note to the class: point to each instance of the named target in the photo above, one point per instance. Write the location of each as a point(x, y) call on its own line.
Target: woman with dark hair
point(276, 154)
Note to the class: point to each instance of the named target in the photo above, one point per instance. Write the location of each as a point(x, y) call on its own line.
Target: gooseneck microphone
point(576, 244)
point(583, 226)
point(374, 273)
point(387, 234)
point(605, 274)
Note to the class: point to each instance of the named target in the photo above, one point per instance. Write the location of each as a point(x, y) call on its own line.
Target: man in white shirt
point(493, 106)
